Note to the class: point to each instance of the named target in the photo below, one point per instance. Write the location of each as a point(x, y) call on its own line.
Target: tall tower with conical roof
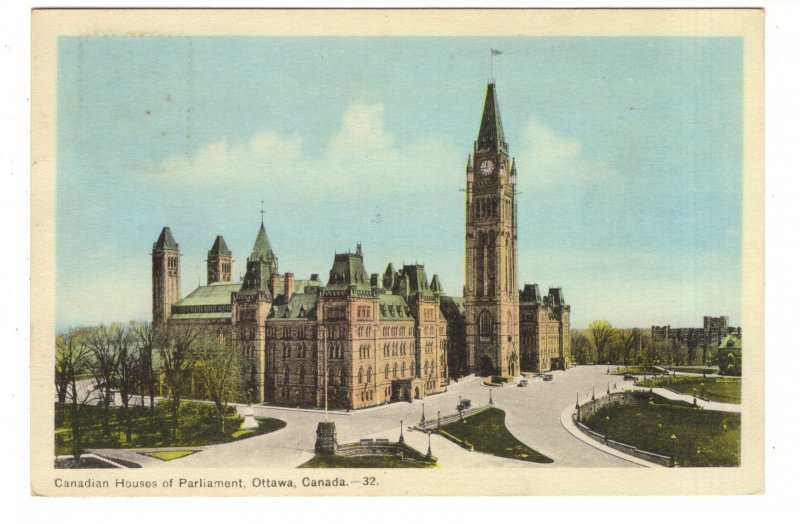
point(261, 263)
point(219, 264)
point(490, 291)
point(166, 275)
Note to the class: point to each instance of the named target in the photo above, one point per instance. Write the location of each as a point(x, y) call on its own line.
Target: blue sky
point(629, 155)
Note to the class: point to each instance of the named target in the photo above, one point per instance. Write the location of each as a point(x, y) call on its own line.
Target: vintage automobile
point(523, 383)
point(547, 377)
point(630, 377)
point(464, 404)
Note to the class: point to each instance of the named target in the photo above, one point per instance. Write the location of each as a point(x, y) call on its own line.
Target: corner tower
point(219, 264)
point(490, 291)
point(166, 275)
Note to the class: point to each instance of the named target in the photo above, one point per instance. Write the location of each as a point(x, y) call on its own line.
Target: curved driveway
point(532, 415)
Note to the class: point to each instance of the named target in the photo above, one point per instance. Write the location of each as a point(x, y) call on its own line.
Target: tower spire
point(262, 212)
point(491, 137)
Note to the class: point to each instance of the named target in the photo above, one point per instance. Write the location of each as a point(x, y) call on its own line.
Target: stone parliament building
point(369, 338)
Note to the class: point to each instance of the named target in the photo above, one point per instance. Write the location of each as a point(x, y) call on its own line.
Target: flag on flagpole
point(496, 52)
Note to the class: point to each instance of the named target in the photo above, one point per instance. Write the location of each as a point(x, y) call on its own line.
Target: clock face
point(487, 167)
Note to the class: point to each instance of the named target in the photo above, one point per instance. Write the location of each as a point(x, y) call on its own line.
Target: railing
point(435, 422)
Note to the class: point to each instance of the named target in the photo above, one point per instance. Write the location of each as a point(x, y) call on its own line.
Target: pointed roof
point(417, 280)
point(166, 240)
point(261, 249)
point(436, 286)
point(220, 247)
point(491, 136)
point(348, 270)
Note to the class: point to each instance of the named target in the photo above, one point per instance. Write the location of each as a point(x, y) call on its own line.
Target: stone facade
point(544, 330)
point(491, 299)
point(707, 337)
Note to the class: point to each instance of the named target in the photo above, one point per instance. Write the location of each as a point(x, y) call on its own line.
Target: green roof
point(213, 294)
point(220, 247)
point(301, 306)
point(491, 136)
point(393, 307)
point(225, 315)
point(452, 307)
point(261, 248)
point(166, 240)
point(348, 270)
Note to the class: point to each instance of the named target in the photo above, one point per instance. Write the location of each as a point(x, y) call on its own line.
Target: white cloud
point(544, 147)
point(362, 155)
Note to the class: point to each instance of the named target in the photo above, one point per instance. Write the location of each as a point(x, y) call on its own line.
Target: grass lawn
point(197, 427)
point(335, 461)
point(636, 370)
point(487, 432)
point(717, 389)
point(696, 369)
point(703, 437)
point(170, 455)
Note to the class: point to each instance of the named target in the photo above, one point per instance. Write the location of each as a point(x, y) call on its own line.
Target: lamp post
point(401, 432)
point(438, 419)
point(491, 403)
point(577, 400)
point(592, 392)
point(429, 445)
point(422, 421)
point(674, 457)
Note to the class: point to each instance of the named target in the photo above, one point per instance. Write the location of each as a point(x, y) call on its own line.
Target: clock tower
point(490, 292)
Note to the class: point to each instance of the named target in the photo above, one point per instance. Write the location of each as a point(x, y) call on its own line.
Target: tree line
point(141, 362)
point(603, 343)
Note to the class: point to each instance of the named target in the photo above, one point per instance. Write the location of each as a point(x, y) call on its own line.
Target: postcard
point(397, 252)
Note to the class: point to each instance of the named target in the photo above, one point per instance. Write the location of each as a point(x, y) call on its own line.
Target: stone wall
point(591, 407)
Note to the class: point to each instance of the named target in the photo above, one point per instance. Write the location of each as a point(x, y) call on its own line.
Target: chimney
point(273, 284)
point(288, 285)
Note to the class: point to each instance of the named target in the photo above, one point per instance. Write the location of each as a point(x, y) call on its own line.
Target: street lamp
point(674, 457)
point(401, 432)
point(422, 421)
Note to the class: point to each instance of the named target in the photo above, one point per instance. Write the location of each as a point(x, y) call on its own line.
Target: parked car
point(464, 404)
point(547, 377)
point(523, 383)
point(630, 377)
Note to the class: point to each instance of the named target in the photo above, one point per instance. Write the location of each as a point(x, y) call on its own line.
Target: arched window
point(386, 371)
point(369, 374)
point(331, 377)
point(426, 368)
point(360, 375)
point(285, 374)
point(485, 324)
point(342, 379)
point(403, 370)
point(394, 370)
point(302, 375)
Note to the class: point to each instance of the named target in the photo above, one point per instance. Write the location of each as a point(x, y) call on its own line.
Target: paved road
point(532, 415)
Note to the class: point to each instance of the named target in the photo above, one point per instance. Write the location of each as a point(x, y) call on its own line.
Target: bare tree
point(71, 360)
point(220, 372)
point(177, 359)
point(601, 332)
point(147, 336)
point(103, 362)
point(127, 372)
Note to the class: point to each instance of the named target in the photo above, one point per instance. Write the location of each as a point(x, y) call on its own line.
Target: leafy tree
point(220, 371)
point(601, 333)
point(582, 350)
